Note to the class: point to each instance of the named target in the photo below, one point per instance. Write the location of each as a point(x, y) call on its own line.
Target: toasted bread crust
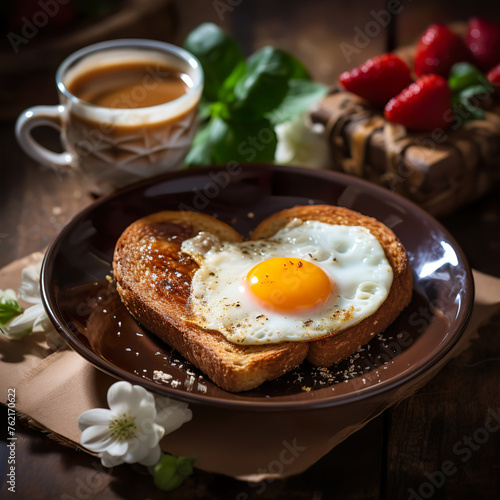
point(153, 279)
point(340, 345)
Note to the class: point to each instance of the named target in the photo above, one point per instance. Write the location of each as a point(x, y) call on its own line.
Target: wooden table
point(396, 455)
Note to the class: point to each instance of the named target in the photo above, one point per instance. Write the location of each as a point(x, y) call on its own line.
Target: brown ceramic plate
point(88, 313)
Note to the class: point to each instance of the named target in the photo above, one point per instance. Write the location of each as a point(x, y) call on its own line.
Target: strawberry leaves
point(469, 87)
point(432, 102)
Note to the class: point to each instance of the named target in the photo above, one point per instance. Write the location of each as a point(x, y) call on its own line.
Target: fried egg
point(307, 281)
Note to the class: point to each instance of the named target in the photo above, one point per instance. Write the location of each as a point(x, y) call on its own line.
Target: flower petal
point(97, 438)
point(29, 290)
point(301, 143)
point(96, 416)
point(138, 449)
point(144, 412)
point(42, 323)
point(146, 407)
point(151, 434)
point(14, 334)
point(108, 460)
point(30, 314)
point(171, 414)
point(118, 448)
point(7, 295)
point(124, 397)
point(152, 457)
point(22, 325)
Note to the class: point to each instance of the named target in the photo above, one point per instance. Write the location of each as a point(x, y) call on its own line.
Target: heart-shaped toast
point(156, 275)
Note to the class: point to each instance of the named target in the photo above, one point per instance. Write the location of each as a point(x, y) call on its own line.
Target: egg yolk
point(289, 284)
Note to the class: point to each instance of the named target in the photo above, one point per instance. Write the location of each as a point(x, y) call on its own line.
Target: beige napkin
point(46, 381)
point(54, 388)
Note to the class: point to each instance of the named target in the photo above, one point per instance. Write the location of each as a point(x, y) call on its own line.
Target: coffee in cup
point(127, 111)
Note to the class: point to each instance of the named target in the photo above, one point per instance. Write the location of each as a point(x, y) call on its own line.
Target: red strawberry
point(483, 39)
point(378, 79)
point(494, 77)
point(424, 105)
point(438, 50)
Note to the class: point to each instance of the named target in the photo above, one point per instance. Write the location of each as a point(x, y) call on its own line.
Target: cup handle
point(37, 116)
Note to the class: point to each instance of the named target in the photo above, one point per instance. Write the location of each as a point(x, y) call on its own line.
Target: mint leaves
point(469, 87)
point(9, 307)
point(244, 99)
point(218, 54)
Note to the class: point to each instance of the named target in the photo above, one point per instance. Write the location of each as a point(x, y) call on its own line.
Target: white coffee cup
point(116, 146)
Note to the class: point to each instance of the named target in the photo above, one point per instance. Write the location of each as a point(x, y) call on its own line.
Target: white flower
point(131, 430)
point(34, 318)
point(29, 290)
point(171, 414)
point(302, 143)
point(9, 308)
point(7, 296)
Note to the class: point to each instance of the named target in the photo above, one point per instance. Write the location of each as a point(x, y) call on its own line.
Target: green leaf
point(222, 141)
point(204, 110)
point(463, 108)
point(218, 54)
point(201, 149)
point(211, 109)
point(265, 84)
point(467, 82)
point(254, 142)
point(170, 472)
point(9, 307)
point(213, 143)
point(300, 96)
point(465, 112)
point(243, 100)
point(470, 92)
point(463, 75)
point(226, 92)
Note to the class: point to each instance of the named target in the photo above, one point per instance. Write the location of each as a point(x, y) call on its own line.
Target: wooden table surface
point(398, 454)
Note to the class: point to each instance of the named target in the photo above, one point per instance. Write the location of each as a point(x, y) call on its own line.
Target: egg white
point(350, 255)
